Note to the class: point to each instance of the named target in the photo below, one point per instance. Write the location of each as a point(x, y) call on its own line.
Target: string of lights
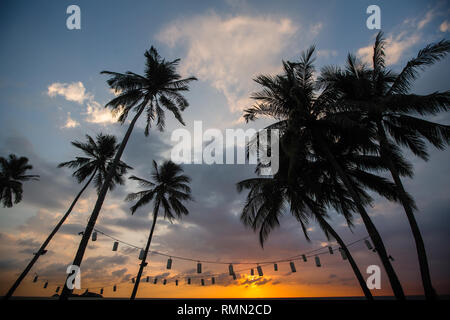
point(296, 257)
point(315, 253)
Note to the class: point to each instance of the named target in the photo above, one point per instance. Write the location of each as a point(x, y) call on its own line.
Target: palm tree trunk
point(143, 263)
point(430, 293)
point(47, 241)
point(352, 262)
point(370, 227)
point(98, 205)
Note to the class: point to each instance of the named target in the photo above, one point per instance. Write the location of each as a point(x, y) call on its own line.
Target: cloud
point(98, 114)
point(408, 36)
point(394, 48)
point(70, 123)
point(316, 28)
point(327, 53)
point(74, 91)
point(229, 51)
point(428, 17)
point(445, 26)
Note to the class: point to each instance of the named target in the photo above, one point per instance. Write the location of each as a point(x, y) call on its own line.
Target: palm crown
point(168, 189)
point(379, 99)
point(99, 156)
point(159, 88)
point(12, 174)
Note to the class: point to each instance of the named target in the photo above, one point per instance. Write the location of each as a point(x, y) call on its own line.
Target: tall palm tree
point(160, 88)
point(94, 165)
point(303, 111)
point(314, 188)
point(380, 100)
point(169, 189)
point(12, 175)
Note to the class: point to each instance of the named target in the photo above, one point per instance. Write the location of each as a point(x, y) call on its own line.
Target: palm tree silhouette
point(169, 188)
point(160, 88)
point(314, 188)
point(12, 175)
point(95, 165)
point(380, 100)
point(305, 114)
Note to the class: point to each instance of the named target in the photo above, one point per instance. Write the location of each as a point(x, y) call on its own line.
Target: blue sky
point(52, 93)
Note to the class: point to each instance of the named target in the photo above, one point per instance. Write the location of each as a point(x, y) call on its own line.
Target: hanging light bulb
point(155, 280)
point(368, 244)
point(35, 278)
point(260, 272)
point(203, 282)
point(101, 291)
point(275, 267)
point(317, 261)
point(132, 280)
point(148, 278)
point(164, 282)
point(199, 267)
point(251, 272)
point(46, 284)
point(213, 281)
point(234, 276)
point(304, 257)
point(330, 249)
point(57, 289)
point(115, 245)
point(292, 266)
point(344, 256)
point(176, 282)
point(94, 236)
point(169, 263)
point(141, 254)
point(230, 269)
point(114, 288)
point(189, 280)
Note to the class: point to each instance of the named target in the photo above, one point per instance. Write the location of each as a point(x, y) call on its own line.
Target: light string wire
point(307, 254)
point(296, 257)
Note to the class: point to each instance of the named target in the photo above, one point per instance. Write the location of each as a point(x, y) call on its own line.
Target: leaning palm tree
point(380, 100)
point(159, 88)
point(303, 111)
point(169, 188)
point(93, 166)
point(12, 175)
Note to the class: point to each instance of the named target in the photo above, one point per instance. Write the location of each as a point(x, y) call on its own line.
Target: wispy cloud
point(428, 17)
point(229, 51)
point(409, 34)
point(70, 123)
point(395, 48)
point(327, 53)
point(445, 26)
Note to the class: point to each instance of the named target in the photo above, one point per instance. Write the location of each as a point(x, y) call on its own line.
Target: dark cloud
point(119, 273)
point(9, 264)
point(28, 243)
